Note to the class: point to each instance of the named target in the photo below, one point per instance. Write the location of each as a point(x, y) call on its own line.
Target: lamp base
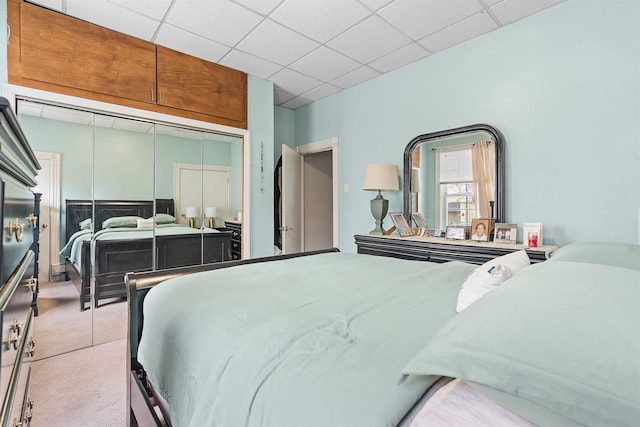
point(212, 222)
point(192, 222)
point(379, 209)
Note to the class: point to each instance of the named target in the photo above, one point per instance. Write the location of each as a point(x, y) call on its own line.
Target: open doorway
point(308, 207)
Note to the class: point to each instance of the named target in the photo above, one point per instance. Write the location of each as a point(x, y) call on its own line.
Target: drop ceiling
point(309, 49)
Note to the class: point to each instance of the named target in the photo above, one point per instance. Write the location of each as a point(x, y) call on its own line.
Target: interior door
point(291, 227)
point(44, 188)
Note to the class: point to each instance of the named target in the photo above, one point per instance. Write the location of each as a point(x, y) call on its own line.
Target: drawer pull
point(32, 284)
point(15, 228)
point(28, 414)
point(31, 348)
point(32, 220)
point(14, 335)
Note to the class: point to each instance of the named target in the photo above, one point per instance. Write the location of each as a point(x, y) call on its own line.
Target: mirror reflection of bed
point(111, 157)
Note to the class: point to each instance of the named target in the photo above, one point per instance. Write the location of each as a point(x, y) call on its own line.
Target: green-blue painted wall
point(562, 85)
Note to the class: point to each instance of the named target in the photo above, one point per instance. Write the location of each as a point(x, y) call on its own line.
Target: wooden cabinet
point(193, 84)
point(69, 52)
point(442, 250)
point(55, 52)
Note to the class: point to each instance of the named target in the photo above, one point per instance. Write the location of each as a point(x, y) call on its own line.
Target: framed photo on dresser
point(402, 226)
point(505, 233)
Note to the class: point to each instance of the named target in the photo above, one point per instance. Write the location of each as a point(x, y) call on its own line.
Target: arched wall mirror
point(455, 175)
point(189, 180)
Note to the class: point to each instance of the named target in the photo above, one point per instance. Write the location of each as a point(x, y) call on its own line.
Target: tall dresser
point(236, 238)
point(18, 169)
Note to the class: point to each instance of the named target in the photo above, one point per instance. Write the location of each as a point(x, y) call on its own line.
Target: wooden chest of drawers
point(18, 268)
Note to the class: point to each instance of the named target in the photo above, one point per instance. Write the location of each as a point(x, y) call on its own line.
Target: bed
point(121, 244)
point(338, 339)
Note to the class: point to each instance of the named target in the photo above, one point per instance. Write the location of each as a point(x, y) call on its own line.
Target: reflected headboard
point(79, 210)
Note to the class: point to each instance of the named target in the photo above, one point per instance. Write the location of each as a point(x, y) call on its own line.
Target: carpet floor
point(78, 377)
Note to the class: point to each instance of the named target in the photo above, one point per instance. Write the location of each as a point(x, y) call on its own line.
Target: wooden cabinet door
point(65, 51)
point(193, 84)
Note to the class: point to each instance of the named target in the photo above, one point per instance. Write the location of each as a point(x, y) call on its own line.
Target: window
point(454, 186)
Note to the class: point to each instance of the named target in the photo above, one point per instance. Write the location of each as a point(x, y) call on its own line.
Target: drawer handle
point(14, 335)
point(31, 348)
point(15, 228)
point(28, 414)
point(32, 284)
point(32, 220)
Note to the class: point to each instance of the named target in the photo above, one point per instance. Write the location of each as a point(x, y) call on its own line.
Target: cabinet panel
point(69, 52)
point(193, 84)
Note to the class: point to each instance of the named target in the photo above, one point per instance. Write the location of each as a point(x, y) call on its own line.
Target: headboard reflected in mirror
point(454, 175)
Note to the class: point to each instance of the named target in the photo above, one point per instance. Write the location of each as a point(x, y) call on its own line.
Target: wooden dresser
point(236, 238)
point(442, 250)
point(18, 168)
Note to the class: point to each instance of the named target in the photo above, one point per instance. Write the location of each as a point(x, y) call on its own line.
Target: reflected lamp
point(191, 213)
point(211, 212)
point(380, 178)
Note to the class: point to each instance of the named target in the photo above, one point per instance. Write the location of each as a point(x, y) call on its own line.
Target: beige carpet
point(78, 377)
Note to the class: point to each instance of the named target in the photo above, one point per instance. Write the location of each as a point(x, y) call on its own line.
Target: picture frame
point(456, 232)
point(419, 220)
point(505, 233)
point(532, 234)
point(481, 229)
point(401, 224)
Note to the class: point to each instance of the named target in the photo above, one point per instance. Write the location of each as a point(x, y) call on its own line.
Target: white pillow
point(145, 223)
point(489, 276)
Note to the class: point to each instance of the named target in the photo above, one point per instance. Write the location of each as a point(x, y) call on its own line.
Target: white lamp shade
point(381, 178)
point(415, 180)
point(211, 212)
point(191, 211)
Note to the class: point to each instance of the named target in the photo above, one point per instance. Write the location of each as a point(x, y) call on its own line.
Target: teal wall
point(261, 125)
point(284, 119)
point(563, 86)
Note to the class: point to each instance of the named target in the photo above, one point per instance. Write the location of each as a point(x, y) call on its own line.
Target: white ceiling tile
point(112, 16)
point(474, 26)
point(375, 4)
point(191, 44)
point(320, 92)
point(320, 20)
point(155, 9)
point(282, 96)
point(296, 103)
point(355, 77)
point(263, 7)
point(421, 18)
point(509, 11)
point(399, 58)
point(369, 40)
point(293, 81)
point(324, 64)
point(104, 121)
point(250, 64)
point(51, 4)
point(274, 42)
point(491, 2)
point(220, 20)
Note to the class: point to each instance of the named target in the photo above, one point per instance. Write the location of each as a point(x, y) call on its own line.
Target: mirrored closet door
point(129, 189)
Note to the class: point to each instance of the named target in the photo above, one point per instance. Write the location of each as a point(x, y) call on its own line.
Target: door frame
point(330, 144)
point(53, 222)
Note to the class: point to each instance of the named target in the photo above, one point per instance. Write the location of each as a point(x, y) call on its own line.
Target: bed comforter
point(314, 341)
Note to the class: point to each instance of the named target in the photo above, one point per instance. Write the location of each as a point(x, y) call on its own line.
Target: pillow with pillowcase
point(145, 223)
point(121, 221)
point(85, 224)
point(163, 218)
point(489, 276)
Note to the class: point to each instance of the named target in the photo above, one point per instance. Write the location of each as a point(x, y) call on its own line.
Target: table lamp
point(211, 212)
point(380, 178)
point(191, 213)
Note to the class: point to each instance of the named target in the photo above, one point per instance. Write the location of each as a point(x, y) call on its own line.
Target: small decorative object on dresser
point(456, 232)
point(419, 220)
point(505, 233)
point(401, 224)
point(481, 229)
point(532, 234)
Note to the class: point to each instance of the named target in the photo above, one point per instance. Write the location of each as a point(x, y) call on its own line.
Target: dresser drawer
point(17, 405)
point(16, 297)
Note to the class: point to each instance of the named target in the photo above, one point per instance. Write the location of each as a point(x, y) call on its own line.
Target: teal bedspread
point(312, 341)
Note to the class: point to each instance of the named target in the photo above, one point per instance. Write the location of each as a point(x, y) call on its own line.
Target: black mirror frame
point(498, 208)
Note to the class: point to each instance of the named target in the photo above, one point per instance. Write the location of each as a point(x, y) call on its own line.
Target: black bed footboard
point(138, 285)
